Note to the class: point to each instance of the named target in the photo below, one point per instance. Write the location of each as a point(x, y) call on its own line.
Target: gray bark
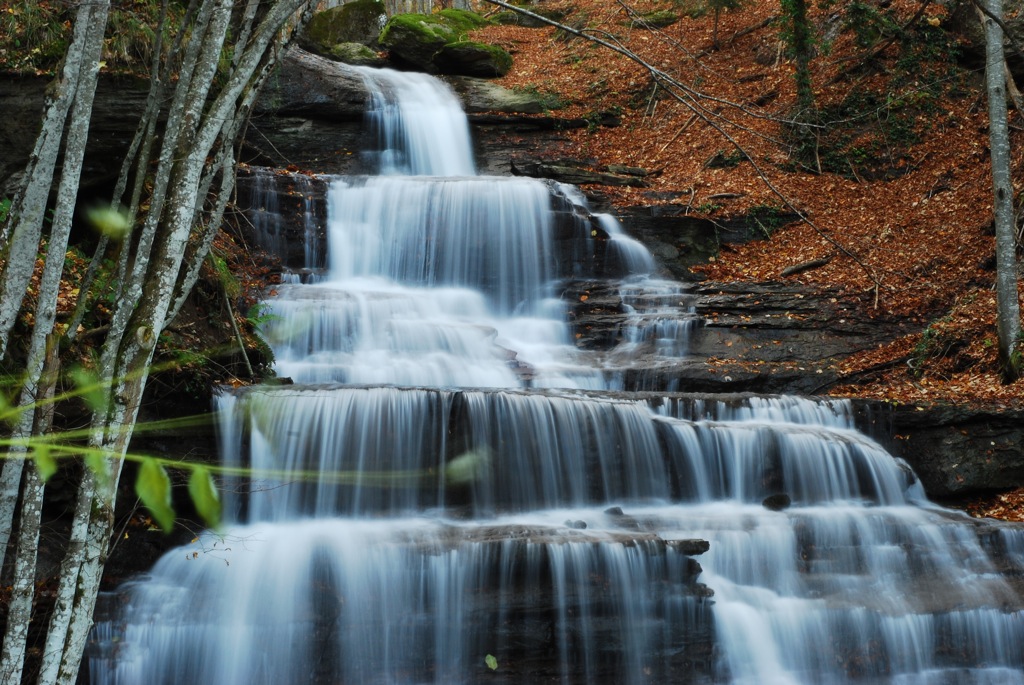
point(12, 657)
point(1007, 301)
point(128, 351)
point(25, 244)
point(19, 610)
point(19, 238)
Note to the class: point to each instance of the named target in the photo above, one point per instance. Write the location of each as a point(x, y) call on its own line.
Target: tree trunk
point(22, 258)
point(1007, 301)
point(19, 238)
point(19, 611)
point(198, 124)
point(799, 31)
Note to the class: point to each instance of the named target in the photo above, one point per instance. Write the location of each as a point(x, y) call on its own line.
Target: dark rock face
point(286, 213)
point(963, 20)
point(118, 107)
point(309, 115)
point(954, 451)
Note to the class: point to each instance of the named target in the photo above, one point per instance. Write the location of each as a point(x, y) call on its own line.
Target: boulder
point(656, 20)
point(470, 58)
point(313, 85)
point(479, 95)
point(964, 22)
point(416, 38)
point(510, 18)
point(438, 43)
point(358, 21)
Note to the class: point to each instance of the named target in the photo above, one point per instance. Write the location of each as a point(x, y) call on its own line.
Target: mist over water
point(448, 479)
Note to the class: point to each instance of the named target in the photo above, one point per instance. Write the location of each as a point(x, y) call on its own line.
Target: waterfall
point(450, 493)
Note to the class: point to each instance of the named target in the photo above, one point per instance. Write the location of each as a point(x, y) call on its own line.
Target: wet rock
point(777, 502)
point(480, 95)
point(689, 547)
point(573, 173)
point(955, 451)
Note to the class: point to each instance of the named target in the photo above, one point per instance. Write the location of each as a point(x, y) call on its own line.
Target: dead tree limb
point(805, 266)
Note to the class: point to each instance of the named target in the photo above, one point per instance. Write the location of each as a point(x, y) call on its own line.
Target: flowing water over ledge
point(450, 479)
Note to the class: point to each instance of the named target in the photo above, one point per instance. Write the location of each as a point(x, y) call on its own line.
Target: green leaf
point(9, 412)
point(109, 222)
point(45, 463)
point(153, 487)
point(97, 463)
point(204, 496)
point(89, 388)
point(468, 467)
point(491, 662)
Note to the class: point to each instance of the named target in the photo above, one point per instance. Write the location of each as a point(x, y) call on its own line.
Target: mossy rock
point(657, 20)
point(510, 18)
point(359, 21)
point(417, 38)
point(469, 58)
point(357, 54)
point(463, 19)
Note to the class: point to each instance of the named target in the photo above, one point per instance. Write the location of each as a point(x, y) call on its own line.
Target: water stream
point(450, 485)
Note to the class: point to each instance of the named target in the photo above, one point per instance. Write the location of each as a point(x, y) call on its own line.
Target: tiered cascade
point(450, 494)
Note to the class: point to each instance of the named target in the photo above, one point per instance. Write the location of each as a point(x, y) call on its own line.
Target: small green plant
point(707, 208)
point(935, 343)
point(5, 209)
point(228, 281)
point(769, 218)
point(868, 22)
point(724, 159)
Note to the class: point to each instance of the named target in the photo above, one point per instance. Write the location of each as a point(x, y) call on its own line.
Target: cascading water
point(451, 482)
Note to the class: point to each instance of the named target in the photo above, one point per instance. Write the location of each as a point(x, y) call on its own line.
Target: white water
point(423, 504)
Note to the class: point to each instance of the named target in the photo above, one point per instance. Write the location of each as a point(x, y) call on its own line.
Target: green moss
point(418, 38)
point(470, 58)
point(463, 19)
point(424, 28)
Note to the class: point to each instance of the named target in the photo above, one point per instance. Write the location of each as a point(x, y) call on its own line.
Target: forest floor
point(893, 175)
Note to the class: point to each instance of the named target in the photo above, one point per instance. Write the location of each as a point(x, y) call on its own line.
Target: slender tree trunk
point(128, 351)
point(799, 31)
point(46, 302)
point(19, 238)
point(43, 344)
point(1008, 303)
point(19, 611)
